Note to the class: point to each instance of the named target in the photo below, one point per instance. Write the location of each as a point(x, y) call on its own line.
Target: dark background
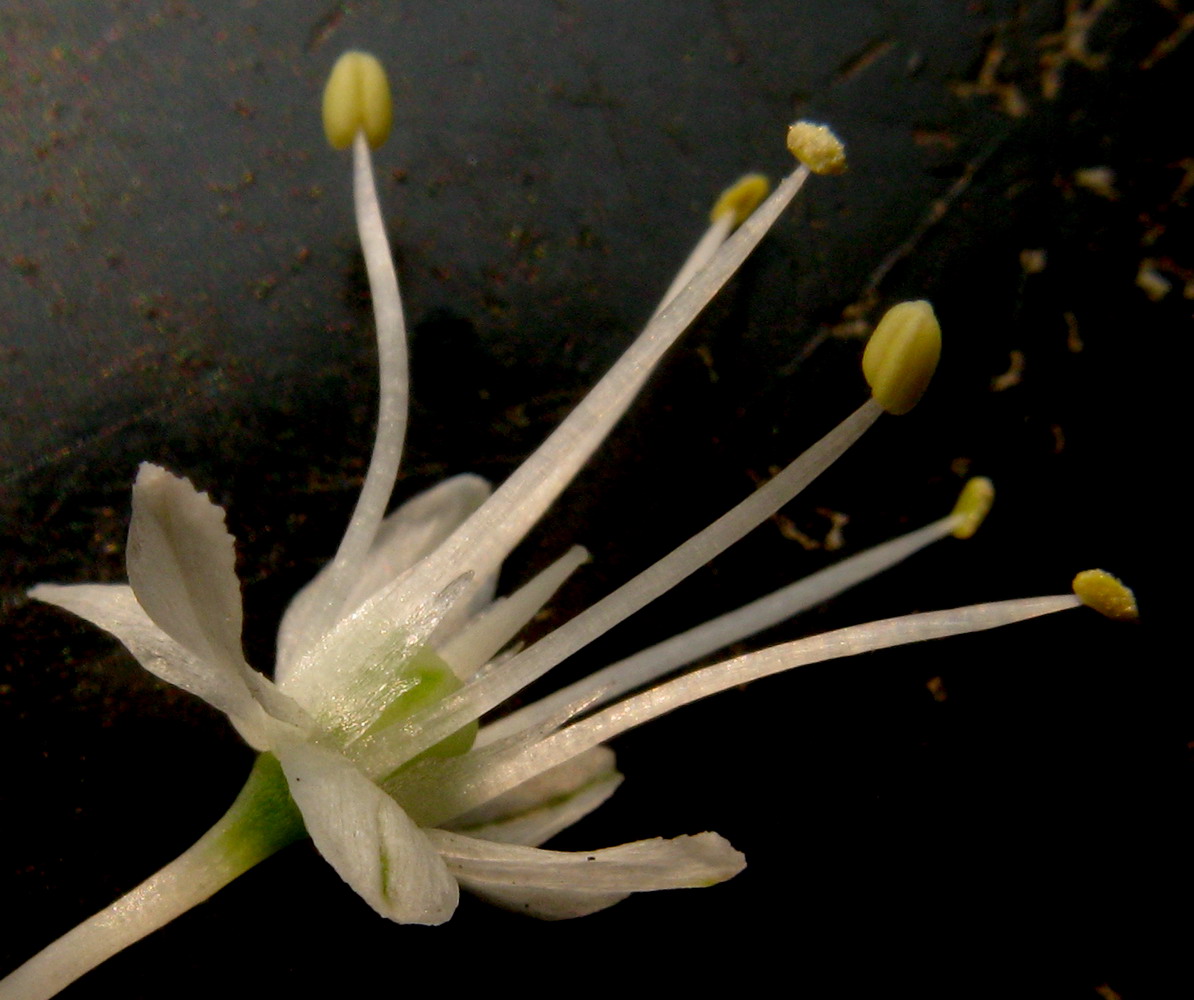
point(179, 282)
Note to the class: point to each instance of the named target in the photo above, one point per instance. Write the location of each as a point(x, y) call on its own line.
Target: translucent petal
point(364, 834)
point(113, 608)
point(538, 809)
point(546, 904)
point(405, 537)
point(558, 884)
point(182, 566)
point(537, 826)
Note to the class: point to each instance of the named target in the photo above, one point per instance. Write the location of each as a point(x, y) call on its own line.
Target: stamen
point(357, 93)
point(385, 751)
point(817, 148)
point(741, 198)
point(902, 355)
point(1098, 589)
point(357, 99)
point(460, 785)
point(487, 537)
point(732, 208)
point(973, 506)
point(734, 626)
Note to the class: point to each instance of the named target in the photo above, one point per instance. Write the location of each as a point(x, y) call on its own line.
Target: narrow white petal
point(537, 826)
point(538, 809)
point(182, 566)
point(561, 884)
point(483, 637)
point(560, 781)
point(113, 608)
point(544, 904)
point(405, 537)
point(367, 838)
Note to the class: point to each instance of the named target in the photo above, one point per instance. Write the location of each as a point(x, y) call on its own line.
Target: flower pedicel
point(367, 735)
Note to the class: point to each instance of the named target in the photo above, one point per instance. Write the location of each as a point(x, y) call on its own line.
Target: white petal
point(559, 884)
point(546, 904)
point(405, 537)
point(537, 810)
point(364, 834)
point(182, 566)
point(114, 609)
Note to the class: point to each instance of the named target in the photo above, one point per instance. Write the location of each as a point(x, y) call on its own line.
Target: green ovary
point(429, 679)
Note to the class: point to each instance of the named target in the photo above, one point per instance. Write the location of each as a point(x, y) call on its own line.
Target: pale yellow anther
point(817, 148)
point(974, 503)
point(357, 99)
point(741, 198)
point(1098, 589)
point(902, 355)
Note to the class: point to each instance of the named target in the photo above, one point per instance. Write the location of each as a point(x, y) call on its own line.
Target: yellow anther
point(1098, 589)
point(902, 355)
point(741, 198)
point(974, 503)
point(357, 99)
point(817, 148)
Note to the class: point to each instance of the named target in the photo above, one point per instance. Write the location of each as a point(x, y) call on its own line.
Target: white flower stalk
point(368, 732)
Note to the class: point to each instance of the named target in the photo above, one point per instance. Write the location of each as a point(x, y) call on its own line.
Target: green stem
point(262, 820)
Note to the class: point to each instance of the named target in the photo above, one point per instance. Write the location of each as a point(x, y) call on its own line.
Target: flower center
point(427, 679)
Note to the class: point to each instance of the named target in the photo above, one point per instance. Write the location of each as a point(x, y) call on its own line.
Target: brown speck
point(24, 266)
point(988, 84)
point(1073, 340)
point(1151, 281)
point(1069, 45)
point(1013, 375)
point(263, 288)
point(930, 138)
point(1097, 180)
point(1033, 261)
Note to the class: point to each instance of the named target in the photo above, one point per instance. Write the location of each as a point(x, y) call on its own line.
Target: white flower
point(368, 731)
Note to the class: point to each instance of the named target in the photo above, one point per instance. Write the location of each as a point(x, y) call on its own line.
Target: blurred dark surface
point(179, 282)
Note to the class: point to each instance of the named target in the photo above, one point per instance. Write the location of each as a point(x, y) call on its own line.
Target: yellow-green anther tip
point(817, 148)
point(741, 198)
point(357, 99)
point(902, 355)
point(974, 503)
point(1098, 589)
